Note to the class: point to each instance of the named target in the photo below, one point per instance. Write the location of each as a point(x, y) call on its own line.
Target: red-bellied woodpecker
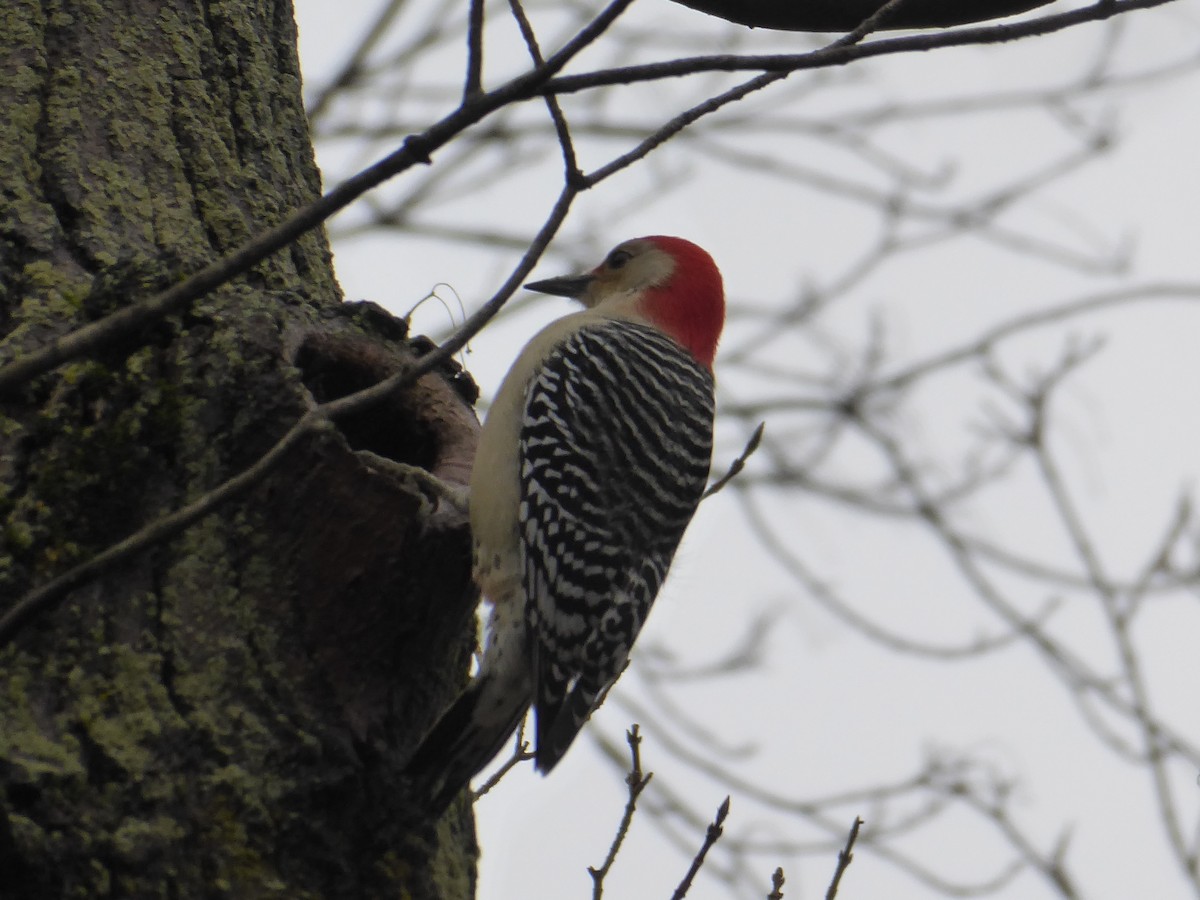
point(590, 465)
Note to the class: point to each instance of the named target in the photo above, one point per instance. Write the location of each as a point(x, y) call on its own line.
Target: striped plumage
point(614, 456)
point(590, 465)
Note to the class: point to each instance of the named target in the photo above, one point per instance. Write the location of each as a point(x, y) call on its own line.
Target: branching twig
point(840, 55)
point(573, 174)
point(352, 69)
point(868, 25)
point(637, 783)
point(683, 120)
point(519, 755)
point(165, 528)
point(1133, 680)
point(1043, 316)
point(415, 149)
point(540, 80)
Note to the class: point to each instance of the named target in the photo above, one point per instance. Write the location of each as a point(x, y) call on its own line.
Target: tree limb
point(843, 15)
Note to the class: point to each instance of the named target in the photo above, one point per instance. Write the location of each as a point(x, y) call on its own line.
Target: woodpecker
point(591, 462)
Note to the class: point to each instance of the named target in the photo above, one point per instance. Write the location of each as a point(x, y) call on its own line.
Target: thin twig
point(869, 24)
point(1075, 671)
point(1132, 681)
point(415, 149)
point(835, 55)
point(352, 68)
point(845, 856)
point(50, 594)
point(45, 597)
point(474, 80)
point(540, 80)
point(570, 160)
point(637, 783)
point(738, 464)
point(1043, 315)
point(1052, 865)
point(519, 755)
point(683, 120)
point(711, 836)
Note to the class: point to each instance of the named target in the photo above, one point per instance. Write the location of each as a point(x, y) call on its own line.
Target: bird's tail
point(561, 716)
point(465, 739)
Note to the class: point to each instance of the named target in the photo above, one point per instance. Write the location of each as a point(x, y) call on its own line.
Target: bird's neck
point(692, 314)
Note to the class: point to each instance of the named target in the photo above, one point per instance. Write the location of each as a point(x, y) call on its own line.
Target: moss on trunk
point(189, 724)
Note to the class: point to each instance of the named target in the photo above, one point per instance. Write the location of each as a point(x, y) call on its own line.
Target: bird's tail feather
point(465, 739)
point(557, 729)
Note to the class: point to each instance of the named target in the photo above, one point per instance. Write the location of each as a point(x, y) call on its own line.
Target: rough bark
point(844, 15)
point(227, 715)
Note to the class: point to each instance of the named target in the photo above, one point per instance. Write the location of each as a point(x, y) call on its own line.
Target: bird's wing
point(615, 450)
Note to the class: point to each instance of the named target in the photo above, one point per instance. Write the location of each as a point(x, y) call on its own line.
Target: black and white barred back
point(615, 450)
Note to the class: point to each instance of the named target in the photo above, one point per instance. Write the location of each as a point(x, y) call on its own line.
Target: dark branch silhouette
point(843, 15)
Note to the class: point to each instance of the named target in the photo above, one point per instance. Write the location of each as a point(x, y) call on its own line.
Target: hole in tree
point(335, 366)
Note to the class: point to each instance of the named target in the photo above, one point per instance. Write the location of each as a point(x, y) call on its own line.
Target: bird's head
point(667, 280)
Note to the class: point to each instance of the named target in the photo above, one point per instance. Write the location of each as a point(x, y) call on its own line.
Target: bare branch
point(841, 55)
point(838, 606)
point(711, 836)
point(819, 810)
point(573, 175)
point(1072, 669)
point(519, 755)
point(845, 857)
point(352, 69)
point(50, 594)
point(888, 12)
point(637, 783)
point(474, 80)
point(684, 119)
point(840, 15)
point(738, 464)
point(1051, 314)
point(415, 149)
point(1156, 751)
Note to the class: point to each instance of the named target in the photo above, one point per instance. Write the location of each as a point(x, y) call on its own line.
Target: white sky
point(831, 710)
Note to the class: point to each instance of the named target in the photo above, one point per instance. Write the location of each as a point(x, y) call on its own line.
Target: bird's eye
point(618, 258)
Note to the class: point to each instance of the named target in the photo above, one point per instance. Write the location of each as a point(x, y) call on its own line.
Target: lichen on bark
point(187, 724)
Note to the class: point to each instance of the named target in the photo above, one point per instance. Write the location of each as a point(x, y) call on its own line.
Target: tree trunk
point(228, 713)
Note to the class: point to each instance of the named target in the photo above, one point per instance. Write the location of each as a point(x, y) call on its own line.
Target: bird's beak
point(564, 286)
